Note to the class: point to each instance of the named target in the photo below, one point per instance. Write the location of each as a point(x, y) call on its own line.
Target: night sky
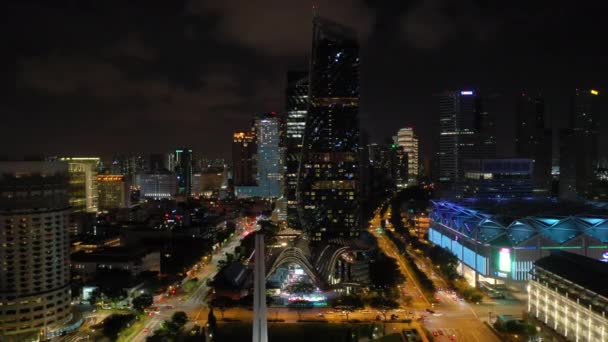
point(100, 77)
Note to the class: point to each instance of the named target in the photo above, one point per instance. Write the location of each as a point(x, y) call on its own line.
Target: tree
point(383, 304)
point(113, 324)
point(222, 303)
point(211, 324)
point(385, 273)
point(180, 318)
point(142, 301)
point(347, 303)
point(299, 306)
point(301, 287)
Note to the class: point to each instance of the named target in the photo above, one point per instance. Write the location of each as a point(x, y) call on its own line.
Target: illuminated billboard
point(504, 260)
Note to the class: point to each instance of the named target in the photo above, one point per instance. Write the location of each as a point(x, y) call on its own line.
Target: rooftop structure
point(501, 239)
point(568, 293)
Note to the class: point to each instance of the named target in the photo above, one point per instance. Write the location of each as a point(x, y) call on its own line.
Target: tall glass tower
point(295, 122)
point(269, 165)
point(466, 131)
point(329, 186)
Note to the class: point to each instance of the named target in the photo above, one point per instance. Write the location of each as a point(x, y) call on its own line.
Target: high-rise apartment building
point(114, 191)
point(328, 192)
point(466, 132)
point(408, 141)
point(579, 146)
point(295, 123)
point(244, 149)
point(533, 140)
point(34, 248)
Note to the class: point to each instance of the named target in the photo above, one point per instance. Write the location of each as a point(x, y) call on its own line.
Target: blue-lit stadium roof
point(514, 222)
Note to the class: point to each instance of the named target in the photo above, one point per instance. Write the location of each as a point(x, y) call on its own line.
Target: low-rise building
point(133, 260)
point(568, 293)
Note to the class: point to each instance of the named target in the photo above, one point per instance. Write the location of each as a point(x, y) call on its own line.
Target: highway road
point(411, 286)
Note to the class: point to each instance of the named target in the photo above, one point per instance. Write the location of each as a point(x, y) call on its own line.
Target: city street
point(193, 304)
point(451, 317)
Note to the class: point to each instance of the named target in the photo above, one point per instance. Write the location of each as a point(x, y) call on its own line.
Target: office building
point(82, 188)
point(157, 161)
point(466, 132)
point(34, 248)
point(381, 168)
point(498, 178)
point(407, 140)
point(567, 292)
point(156, 185)
point(534, 141)
point(498, 241)
point(181, 163)
point(82, 191)
point(244, 149)
point(329, 176)
point(114, 192)
point(128, 164)
point(295, 123)
point(269, 159)
point(579, 146)
point(208, 182)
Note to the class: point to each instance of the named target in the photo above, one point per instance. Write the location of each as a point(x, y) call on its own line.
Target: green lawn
point(292, 332)
point(127, 334)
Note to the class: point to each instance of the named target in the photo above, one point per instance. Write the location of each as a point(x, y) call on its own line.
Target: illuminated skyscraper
point(269, 163)
point(295, 123)
point(579, 146)
point(34, 249)
point(408, 141)
point(329, 187)
point(466, 131)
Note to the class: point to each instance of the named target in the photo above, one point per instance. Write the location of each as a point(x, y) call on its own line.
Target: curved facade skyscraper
point(34, 247)
point(328, 192)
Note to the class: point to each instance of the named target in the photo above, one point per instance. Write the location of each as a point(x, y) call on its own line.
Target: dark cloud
point(97, 77)
point(281, 27)
point(429, 24)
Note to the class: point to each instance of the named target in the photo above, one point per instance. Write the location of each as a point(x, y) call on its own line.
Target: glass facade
point(295, 123)
point(329, 174)
point(269, 166)
point(466, 131)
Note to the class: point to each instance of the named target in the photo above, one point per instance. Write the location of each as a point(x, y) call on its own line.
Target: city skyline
point(128, 91)
point(316, 170)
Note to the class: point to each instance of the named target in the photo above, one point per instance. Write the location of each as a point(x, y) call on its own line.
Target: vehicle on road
point(430, 311)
